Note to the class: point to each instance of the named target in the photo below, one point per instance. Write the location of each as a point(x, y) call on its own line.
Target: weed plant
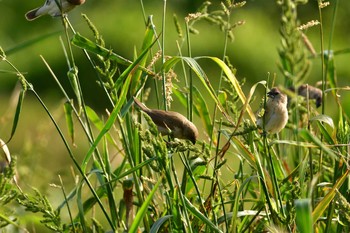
point(236, 178)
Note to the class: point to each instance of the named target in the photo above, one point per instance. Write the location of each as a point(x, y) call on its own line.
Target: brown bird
point(276, 113)
point(314, 93)
point(53, 8)
point(171, 123)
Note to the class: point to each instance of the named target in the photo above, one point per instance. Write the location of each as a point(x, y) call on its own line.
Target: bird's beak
point(269, 94)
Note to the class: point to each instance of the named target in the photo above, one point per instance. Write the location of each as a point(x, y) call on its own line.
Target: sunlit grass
point(114, 171)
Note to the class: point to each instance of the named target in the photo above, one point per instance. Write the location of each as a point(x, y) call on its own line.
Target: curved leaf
point(232, 78)
point(246, 104)
point(309, 137)
point(323, 118)
point(158, 224)
point(193, 64)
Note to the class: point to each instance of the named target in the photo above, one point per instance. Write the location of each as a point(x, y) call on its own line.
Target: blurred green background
point(121, 23)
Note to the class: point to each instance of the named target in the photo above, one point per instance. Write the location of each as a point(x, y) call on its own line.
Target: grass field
point(87, 160)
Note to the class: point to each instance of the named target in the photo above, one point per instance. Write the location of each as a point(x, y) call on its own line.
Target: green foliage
point(8, 192)
point(235, 179)
point(294, 62)
point(37, 203)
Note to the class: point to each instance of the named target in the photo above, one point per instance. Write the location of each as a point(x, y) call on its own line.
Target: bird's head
point(191, 132)
point(277, 96)
point(274, 92)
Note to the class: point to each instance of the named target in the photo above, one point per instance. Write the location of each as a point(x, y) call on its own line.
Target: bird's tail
point(31, 15)
point(141, 105)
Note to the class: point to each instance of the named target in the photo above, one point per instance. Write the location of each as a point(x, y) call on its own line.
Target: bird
point(171, 123)
point(275, 115)
point(314, 93)
point(54, 8)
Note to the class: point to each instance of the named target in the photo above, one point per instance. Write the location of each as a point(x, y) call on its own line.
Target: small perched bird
point(276, 113)
point(53, 8)
point(314, 93)
point(171, 123)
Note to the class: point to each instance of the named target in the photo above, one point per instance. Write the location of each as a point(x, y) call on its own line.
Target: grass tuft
point(130, 178)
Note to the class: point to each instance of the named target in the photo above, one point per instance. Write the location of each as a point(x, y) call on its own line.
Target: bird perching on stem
point(171, 123)
point(275, 116)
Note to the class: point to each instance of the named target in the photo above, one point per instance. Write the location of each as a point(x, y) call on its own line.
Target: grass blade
point(200, 216)
point(309, 137)
point(68, 110)
point(324, 203)
point(303, 215)
point(201, 107)
point(93, 117)
point(125, 79)
point(142, 211)
point(193, 64)
point(235, 84)
point(88, 45)
point(17, 113)
point(109, 123)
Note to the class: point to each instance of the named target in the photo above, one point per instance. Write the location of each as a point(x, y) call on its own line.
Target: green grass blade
point(319, 119)
point(200, 216)
point(88, 45)
point(94, 118)
point(80, 206)
point(28, 43)
point(324, 203)
point(323, 118)
point(193, 64)
point(232, 78)
point(143, 209)
point(17, 113)
point(243, 151)
point(309, 137)
point(197, 167)
point(293, 143)
point(125, 80)
point(101, 191)
point(147, 42)
point(331, 73)
point(135, 168)
point(303, 215)
point(7, 220)
point(109, 123)
point(201, 107)
point(84, 43)
point(328, 138)
point(68, 112)
point(237, 200)
point(246, 103)
point(72, 75)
